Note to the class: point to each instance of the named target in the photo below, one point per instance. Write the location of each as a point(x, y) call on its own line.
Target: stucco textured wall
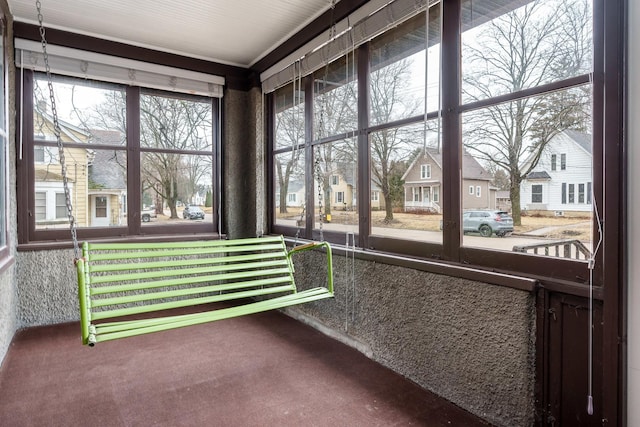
point(8, 283)
point(47, 291)
point(472, 343)
point(239, 165)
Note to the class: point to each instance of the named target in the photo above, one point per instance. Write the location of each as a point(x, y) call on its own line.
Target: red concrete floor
point(259, 370)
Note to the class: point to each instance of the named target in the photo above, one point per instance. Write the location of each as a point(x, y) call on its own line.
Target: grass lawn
point(563, 227)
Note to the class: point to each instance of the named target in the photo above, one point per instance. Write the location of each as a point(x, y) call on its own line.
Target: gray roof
point(582, 139)
point(471, 169)
point(108, 169)
point(107, 137)
point(539, 175)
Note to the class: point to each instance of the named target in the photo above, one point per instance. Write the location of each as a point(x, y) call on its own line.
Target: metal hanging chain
point(57, 132)
point(320, 179)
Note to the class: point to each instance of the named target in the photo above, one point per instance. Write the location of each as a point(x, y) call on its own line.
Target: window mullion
point(133, 160)
point(364, 158)
point(451, 128)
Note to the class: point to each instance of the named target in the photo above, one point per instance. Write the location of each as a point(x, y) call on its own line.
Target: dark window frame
point(452, 250)
point(31, 238)
point(5, 239)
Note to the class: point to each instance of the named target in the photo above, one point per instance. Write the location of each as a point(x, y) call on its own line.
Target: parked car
point(487, 222)
point(192, 212)
point(148, 213)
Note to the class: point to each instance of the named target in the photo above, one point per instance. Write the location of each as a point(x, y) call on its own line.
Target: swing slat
point(118, 280)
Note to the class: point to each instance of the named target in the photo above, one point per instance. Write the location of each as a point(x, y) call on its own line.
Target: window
point(470, 137)
point(61, 206)
point(41, 205)
point(339, 196)
point(425, 171)
point(572, 193)
point(536, 193)
point(335, 180)
point(375, 196)
point(292, 198)
point(172, 163)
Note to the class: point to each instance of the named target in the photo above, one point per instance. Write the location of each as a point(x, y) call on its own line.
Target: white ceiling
point(235, 32)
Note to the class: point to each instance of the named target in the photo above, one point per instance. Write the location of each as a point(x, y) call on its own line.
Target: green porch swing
point(130, 289)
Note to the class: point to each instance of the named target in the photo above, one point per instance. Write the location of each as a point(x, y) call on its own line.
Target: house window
point(61, 206)
point(41, 205)
point(572, 193)
point(589, 190)
point(473, 123)
point(581, 197)
point(536, 193)
point(339, 197)
point(375, 196)
point(172, 162)
point(436, 194)
point(292, 198)
point(335, 180)
point(101, 207)
point(425, 171)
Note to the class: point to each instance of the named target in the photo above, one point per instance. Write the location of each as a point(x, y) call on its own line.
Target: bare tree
point(536, 44)
point(289, 131)
point(391, 147)
point(174, 124)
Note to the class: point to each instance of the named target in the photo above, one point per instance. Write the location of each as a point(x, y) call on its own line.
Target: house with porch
point(423, 181)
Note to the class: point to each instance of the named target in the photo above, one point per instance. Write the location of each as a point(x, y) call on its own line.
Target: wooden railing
point(573, 249)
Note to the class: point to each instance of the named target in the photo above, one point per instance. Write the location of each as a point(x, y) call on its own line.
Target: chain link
point(57, 133)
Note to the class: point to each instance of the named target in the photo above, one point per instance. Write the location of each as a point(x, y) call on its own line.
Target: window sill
point(68, 244)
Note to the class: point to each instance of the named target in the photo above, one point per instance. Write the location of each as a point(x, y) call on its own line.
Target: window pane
point(523, 46)
point(289, 186)
point(176, 123)
point(508, 151)
point(336, 204)
point(41, 206)
point(89, 112)
point(398, 64)
point(176, 188)
point(335, 99)
point(289, 120)
point(408, 199)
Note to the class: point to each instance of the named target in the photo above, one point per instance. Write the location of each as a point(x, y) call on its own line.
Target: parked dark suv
point(487, 222)
point(192, 212)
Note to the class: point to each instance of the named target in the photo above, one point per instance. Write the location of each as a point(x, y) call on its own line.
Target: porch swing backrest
point(125, 289)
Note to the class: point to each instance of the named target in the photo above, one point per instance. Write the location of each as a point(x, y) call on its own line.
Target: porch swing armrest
point(314, 245)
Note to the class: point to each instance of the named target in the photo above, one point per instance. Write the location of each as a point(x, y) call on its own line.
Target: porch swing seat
point(126, 289)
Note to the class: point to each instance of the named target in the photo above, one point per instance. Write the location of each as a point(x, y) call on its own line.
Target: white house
point(561, 182)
